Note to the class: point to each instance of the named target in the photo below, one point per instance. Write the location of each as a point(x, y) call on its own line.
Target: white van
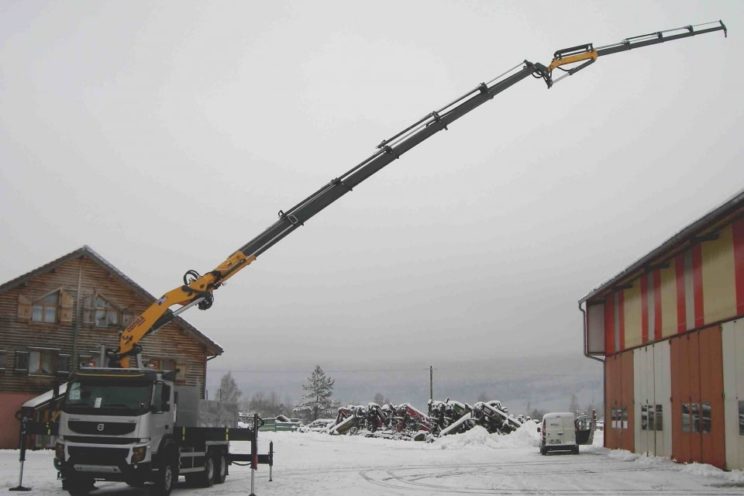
point(558, 433)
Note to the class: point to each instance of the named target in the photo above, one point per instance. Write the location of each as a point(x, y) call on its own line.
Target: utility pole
point(431, 382)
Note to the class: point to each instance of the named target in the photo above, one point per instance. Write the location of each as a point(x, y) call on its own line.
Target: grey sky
point(165, 135)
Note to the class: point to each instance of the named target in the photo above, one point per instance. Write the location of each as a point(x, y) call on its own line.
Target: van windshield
point(115, 398)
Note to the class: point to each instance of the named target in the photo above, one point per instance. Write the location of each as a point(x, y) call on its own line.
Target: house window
point(741, 418)
point(42, 362)
point(100, 312)
point(3, 358)
point(45, 309)
point(161, 363)
point(126, 318)
point(88, 360)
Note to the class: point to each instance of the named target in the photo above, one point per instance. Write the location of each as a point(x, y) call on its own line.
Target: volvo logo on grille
point(99, 427)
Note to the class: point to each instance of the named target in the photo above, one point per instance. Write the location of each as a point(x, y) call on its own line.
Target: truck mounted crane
point(198, 290)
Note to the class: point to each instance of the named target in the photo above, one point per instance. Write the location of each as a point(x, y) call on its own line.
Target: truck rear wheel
point(206, 477)
point(220, 469)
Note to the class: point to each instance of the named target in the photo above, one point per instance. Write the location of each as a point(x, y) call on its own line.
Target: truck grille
point(98, 456)
point(102, 428)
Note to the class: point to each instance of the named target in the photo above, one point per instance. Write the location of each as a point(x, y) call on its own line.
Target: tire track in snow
point(393, 480)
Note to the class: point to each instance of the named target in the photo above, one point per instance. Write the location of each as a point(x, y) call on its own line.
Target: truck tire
point(166, 477)
point(543, 450)
point(220, 468)
point(206, 477)
point(78, 486)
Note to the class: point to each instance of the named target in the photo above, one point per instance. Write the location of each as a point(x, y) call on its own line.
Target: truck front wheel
point(166, 478)
point(78, 486)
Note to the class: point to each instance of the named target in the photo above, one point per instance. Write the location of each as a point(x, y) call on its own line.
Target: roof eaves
point(683, 236)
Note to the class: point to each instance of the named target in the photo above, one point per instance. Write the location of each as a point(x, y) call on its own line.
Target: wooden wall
point(19, 334)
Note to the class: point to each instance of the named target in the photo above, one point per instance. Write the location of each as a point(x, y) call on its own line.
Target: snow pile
point(703, 470)
point(524, 437)
point(623, 455)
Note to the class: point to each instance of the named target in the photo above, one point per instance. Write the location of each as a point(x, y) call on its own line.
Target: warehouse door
point(652, 407)
point(644, 405)
point(662, 404)
point(697, 397)
point(733, 385)
point(619, 432)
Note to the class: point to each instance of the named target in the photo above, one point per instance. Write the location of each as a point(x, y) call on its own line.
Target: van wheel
point(575, 450)
point(543, 450)
point(220, 468)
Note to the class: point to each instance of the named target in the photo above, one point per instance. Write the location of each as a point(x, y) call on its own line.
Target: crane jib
point(335, 189)
point(197, 289)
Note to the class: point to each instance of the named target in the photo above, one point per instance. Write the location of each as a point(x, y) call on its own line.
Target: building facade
point(670, 330)
point(55, 319)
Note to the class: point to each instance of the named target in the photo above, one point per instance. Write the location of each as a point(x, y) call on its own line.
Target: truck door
point(161, 416)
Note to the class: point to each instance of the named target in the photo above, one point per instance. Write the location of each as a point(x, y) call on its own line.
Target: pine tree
point(318, 391)
point(229, 390)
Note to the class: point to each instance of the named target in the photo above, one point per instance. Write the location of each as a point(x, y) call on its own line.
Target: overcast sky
point(167, 134)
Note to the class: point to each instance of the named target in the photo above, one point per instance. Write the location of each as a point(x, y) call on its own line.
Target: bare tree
point(229, 390)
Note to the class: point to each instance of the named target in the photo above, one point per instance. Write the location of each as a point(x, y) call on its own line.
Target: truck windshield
point(113, 398)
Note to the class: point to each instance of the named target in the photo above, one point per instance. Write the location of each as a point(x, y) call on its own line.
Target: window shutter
point(24, 308)
point(66, 303)
point(63, 364)
point(21, 362)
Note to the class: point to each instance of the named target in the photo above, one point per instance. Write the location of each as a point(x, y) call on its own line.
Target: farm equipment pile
point(405, 421)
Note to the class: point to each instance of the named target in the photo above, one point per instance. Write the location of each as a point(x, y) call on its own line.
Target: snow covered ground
point(470, 463)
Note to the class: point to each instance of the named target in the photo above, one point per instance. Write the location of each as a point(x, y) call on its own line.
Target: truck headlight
point(138, 453)
point(59, 451)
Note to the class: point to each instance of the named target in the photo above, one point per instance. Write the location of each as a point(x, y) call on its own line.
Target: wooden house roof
point(86, 251)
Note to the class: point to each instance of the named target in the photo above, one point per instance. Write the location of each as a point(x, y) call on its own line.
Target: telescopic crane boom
point(198, 289)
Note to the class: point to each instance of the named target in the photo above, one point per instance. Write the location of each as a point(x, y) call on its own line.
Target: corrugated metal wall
point(702, 285)
point(733, 388)
point(675, 354)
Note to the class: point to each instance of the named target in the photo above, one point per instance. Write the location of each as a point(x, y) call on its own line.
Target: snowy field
point(470, 463)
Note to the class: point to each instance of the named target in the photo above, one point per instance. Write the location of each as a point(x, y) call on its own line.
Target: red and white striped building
point(670, 330)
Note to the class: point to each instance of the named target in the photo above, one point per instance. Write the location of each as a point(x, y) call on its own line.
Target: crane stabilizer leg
point(197, 289)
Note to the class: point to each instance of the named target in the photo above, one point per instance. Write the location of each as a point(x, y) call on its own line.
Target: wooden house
point(55, 318)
